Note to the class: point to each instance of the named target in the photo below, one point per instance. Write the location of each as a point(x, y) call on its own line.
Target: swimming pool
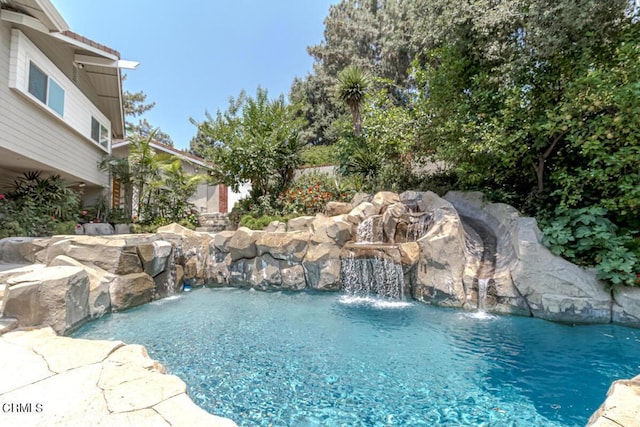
point(297, 359)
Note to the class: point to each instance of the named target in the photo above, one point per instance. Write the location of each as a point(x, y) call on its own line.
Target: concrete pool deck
point(50, 380)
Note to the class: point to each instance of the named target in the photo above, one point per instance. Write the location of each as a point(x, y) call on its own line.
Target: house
point(208, 199)
point(60, 98)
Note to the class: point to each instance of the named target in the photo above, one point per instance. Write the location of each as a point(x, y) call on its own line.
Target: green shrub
point(310, 193)
point(36, 206)
point(587, 237)
point(259, 223)
point(318, 155)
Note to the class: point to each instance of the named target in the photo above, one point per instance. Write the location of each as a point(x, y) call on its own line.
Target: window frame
point(103, 135)
point(52, 102)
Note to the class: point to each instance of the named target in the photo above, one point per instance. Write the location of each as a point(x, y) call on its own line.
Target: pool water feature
point(304, 359)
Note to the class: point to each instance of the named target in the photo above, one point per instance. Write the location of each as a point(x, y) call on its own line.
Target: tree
point(256, 140)
point(352, 88)
point(134, 105)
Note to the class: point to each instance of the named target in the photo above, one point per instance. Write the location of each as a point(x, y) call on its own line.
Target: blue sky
point(195, 54)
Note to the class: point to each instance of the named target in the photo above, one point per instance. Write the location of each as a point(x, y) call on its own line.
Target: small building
point(60, 98)
point(209, 198)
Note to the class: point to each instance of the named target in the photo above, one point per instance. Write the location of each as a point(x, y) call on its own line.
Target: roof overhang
point(182, 155)
point(101, 63)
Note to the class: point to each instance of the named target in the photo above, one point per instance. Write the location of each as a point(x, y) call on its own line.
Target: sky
point(195, 54)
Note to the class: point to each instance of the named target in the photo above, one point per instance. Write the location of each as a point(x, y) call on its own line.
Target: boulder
point(122, 228)
point(292, 276)
point(360, 197)
point(221, 241)
point(154, 256)
point(99, 281)
point(55, 296)
point(267, 273)
point(621, 408)
point(21, 250)
point(243, 243)
point(338, 208)
point(130, 290)
point(430, 201)
point(554, 288)
point(113, 254)
point(360, 212)
point(334, 230)
point(383, 199)
point(242, 273)
point(301, 223)
point(626, 306)
point(441, 267)
point(291, 246)
point(322, 267)
point(390, 220)
point(276, 227)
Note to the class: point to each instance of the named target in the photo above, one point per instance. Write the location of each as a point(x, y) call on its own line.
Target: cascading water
point(373, 275)
point(483, 284)
point(369, 230)
point(417, 227)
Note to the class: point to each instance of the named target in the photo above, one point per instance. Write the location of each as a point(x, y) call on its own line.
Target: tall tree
point(135, 105)
point(353, 84)
point(256, 140)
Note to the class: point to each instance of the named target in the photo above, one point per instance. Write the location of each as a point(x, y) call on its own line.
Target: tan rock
point(410, 253)
point(20, 366)
point(144, 392)
point(322, 266)
point(276, 227)
point(111, 253)
point(383, 199)
point(292, 276)
point(99, 282)
point(21, 250)
point(130, 290)
point(301, 223)
point(221, 240)
point(54, 296)
point(181, 411)
point(360, 212)
point(243, 243)
point(291, 246)
point(338, 208)
point(154, 256)
point(64, 353)
point(622, 406)
point(334, 230)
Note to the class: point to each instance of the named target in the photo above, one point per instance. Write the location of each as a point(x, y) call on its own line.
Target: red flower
point(2, 196)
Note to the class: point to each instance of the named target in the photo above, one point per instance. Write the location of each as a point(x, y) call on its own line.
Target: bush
point(37, 206)
point(310, 193)
point(259, 223)
point(318, 155)
point(587, 237)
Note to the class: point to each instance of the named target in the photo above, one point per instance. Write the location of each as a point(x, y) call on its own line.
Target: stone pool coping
point(50, 380)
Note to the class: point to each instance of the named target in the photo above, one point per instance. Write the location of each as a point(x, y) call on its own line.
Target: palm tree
point(143, 164)
point(353, 84)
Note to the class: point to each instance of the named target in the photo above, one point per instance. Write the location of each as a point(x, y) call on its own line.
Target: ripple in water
point(303, 359)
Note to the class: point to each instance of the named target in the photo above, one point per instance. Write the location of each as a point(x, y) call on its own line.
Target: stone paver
point(49, 380)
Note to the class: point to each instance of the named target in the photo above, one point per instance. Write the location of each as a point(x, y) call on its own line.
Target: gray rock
point(131, 290)
point(98, 229)
point(99, 301)
point(322, 267)
point(21, 250)
point(276, 227)
point(54, 296)
point(154, 256)
point(301, 223)
point(626, 307)
point(243, 243)
point(334, 230)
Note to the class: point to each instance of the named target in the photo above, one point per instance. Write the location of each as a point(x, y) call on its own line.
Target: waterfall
point(369, 230)
point(417, 227)
point(483, 284)
point(375, 275)
point(171, 281)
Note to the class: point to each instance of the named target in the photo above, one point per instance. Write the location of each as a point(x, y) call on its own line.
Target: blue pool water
point(301, 359)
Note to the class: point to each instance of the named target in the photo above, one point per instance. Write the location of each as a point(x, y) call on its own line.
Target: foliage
point(587, 237)
point(134, 105)
point(353, 84)
point(256, 140)
point(310, 193)
point(152, 227)
point(37, 206)
point(260, 222)
point(318, 155)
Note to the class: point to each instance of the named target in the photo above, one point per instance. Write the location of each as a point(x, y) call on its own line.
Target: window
point(46, 89)
point(99, 133)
